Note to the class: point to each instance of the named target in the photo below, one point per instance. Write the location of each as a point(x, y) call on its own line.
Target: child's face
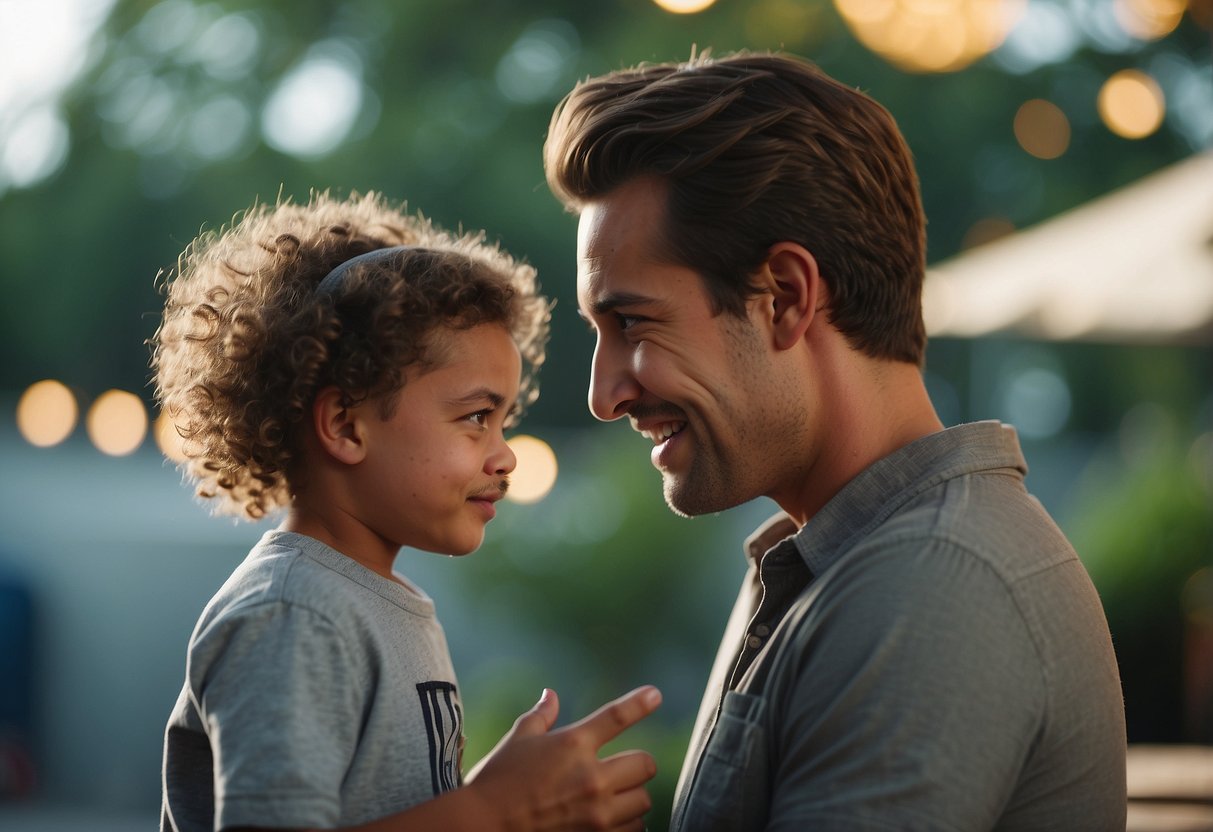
point(434, 470)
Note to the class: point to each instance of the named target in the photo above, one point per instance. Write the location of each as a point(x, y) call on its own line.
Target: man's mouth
point(661, 432)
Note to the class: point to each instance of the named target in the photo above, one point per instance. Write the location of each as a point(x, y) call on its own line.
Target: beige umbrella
point(1135, 266)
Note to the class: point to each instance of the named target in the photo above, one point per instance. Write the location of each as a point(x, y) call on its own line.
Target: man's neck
point(865, 413)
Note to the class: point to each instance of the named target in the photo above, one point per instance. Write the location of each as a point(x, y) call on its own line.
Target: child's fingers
point(628, 770)
point(629, 808)
point(539, 719)
point(615, 717)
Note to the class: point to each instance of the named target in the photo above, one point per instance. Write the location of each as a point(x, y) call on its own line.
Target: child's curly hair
point(246, 341)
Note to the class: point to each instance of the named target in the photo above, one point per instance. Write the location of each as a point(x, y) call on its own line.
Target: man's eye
point(626, 322)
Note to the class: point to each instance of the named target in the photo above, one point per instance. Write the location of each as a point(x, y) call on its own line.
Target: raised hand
point(554, 780)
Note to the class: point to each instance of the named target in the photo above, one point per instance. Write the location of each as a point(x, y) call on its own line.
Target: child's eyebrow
point(478, 396)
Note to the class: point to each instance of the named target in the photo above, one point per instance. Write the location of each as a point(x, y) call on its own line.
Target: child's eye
point(480, 417)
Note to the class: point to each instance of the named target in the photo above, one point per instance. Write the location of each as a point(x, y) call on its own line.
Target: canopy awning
point(1135, 266)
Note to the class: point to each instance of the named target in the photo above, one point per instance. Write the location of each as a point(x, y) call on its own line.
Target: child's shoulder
point(286, 570)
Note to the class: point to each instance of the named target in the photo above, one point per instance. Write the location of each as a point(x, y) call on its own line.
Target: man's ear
point(796, 292)
point(338, 428)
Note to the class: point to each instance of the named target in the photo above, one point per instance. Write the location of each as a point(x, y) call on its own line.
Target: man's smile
point(660, 432)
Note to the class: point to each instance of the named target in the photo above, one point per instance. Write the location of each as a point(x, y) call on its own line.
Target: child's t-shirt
point(317, 694)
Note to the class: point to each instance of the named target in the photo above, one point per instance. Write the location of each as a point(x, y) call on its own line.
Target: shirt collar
point(880, 489)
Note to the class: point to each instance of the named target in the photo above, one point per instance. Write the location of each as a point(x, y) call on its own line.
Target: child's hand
point(539, 779)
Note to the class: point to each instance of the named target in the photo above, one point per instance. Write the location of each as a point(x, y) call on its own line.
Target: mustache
point(498, 489)
point(641, 412)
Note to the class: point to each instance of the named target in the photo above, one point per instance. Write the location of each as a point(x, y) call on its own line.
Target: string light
point(1042, 129)
point(535, 473)
point(117, 422)
point(46, 413)
point(684, 6)
point(930, 35)
point(1131, 104)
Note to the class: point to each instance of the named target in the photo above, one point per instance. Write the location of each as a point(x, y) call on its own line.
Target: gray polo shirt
point(928, 653)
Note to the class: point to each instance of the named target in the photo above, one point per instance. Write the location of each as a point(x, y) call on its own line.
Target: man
point(916, 645)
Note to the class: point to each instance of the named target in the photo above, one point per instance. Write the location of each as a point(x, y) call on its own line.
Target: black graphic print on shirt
point(444, 726)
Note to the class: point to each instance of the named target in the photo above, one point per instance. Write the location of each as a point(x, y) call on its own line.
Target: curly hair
point(246, 341)
point(755, 149)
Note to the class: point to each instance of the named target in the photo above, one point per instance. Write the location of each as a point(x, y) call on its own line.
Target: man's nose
point(613, 386)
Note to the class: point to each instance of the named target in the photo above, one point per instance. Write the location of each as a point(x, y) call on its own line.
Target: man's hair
point(246, 341)
point(757, 149)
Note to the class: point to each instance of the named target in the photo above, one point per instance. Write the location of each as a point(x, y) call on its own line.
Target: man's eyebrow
point(612, 301)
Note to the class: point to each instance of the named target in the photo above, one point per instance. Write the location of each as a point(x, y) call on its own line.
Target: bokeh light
point(930, 35)
point(1042, 129)
point(168, 440)
point(535, 474)
point(44, 47)
point(117, 422)
point(1037, 401)
point(314, 107)
point(46, 413)
point(536, 63)
point(684, 6)
point(1149, 19)
point(1131, 104)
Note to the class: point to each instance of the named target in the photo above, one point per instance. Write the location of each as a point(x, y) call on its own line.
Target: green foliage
point(1144, 531)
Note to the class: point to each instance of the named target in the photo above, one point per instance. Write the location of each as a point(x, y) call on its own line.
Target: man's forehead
point(590, 282)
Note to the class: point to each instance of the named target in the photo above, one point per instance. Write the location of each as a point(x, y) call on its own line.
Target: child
point(357, 367)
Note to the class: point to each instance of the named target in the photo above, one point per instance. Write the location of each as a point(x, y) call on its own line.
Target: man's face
point(694, 383)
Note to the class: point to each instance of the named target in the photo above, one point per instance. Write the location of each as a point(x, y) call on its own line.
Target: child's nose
point(503, 460)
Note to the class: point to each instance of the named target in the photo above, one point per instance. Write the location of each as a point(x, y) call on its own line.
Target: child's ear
point(794, 289)
point(338, 427)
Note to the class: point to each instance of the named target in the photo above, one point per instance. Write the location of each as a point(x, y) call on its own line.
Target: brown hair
point(246, 341)
point(757, 149)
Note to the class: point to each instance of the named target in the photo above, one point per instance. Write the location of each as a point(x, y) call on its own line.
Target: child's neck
point(358, 544)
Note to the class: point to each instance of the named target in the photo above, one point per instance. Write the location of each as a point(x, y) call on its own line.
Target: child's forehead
point(473, 357)
point(447, 343)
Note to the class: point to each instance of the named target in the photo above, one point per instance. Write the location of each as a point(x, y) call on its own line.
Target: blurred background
point(1064, 153)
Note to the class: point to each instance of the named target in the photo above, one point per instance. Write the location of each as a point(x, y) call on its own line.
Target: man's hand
point(554, 780)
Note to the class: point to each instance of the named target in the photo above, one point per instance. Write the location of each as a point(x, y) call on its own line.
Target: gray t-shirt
point(927, 653)
point(317, 694)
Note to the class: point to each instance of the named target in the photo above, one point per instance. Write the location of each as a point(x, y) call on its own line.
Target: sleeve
point(278, 690)
point(912, 702)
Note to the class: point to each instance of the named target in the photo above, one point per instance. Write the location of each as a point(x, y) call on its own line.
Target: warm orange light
point(46, 413)
point(1042, 129)
point(930, 35)
point(1149, 19)
point(535, 474)
point(1131, 104)
point(117, 422)
point(168, 440)
point(684, 6)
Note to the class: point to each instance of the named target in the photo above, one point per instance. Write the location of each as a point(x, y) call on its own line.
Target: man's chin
point(693, 500)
